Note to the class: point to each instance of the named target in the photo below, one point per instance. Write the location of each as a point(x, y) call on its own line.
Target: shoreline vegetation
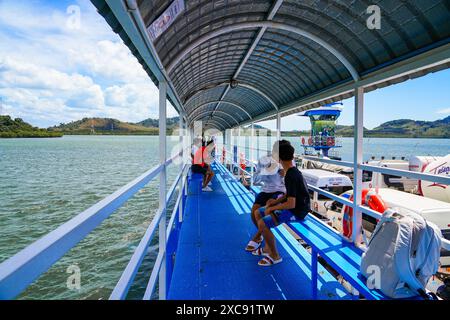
point(17, 128)
point(403, 128)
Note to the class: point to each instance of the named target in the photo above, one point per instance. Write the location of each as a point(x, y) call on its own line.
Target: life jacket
point(199, 158)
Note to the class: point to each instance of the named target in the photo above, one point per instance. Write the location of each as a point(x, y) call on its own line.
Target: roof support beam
point(268, 24)
point(229, 103)
point(220, 112)
point(258, 37)
point(260, 34)
point(243, 85)
point(406, 68)
point(224, 124)
point(222, 127)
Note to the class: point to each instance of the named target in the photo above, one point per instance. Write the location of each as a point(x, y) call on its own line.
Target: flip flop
point(255, 245)
point(268, 261)
point(259, 252)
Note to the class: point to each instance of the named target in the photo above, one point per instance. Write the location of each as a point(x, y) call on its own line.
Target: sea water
point(46, 182)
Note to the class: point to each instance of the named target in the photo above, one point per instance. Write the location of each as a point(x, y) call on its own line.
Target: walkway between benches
point(211, 262)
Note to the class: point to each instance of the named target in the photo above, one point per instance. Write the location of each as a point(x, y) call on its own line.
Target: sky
point(426, 98)
point(56, 68)
point(60, 61)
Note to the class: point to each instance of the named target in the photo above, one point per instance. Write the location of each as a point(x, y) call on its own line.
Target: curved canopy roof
point(241, 61)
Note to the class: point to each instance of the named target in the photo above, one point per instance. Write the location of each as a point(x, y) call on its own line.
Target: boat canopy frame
point(260, 44)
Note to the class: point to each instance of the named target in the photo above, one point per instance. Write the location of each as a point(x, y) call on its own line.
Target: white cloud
point(109, 60)
point(444, 111)
point(50, 73)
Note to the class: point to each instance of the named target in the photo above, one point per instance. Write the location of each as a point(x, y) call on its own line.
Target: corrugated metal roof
point(283, 52)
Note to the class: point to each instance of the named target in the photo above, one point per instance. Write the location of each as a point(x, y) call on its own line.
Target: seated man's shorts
point(281, 216)
point(196, 168)
point(263, 197)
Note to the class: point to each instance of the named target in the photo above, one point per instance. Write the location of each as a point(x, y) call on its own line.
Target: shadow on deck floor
point(211, 262)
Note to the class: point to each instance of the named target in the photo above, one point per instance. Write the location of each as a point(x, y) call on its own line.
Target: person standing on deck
point(269, 174)
point(294, 206)
point(199, 165)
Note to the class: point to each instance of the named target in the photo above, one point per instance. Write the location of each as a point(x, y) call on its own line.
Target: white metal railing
point(19, 271)
point(330, 161)
point(123, 285)
point(365, 167)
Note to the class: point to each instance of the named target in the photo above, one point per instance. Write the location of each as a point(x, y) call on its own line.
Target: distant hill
point(103, 126)
point(17, 128)
point(108, 126)
point(154, 123)
point(403, 128)
point(347, 131)
point(413, 129)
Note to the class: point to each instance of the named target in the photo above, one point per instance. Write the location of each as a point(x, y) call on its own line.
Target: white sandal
point(259, 252)
point(255, 245)
point(268, 261)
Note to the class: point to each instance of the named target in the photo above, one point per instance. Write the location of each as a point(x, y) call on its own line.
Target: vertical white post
point(278, 126)
point(226, 142)
point(357, 160)
point(233, 143)
point(162, 186)
point(252, 151)
point(238, 142)
point(257, 143)
point(181, 134)
point(224, 145)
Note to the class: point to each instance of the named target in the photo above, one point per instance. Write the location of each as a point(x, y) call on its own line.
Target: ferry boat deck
point(227, 65)
point(212, 264)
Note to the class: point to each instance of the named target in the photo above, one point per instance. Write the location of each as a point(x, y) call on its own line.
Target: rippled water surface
point(45, 182)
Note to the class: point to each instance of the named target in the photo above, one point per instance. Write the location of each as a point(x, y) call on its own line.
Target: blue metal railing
point(22, 269)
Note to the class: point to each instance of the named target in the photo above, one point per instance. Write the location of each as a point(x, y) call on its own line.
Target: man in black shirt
point(294, 206)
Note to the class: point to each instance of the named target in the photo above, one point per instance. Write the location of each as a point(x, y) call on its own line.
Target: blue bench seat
point(342, 255)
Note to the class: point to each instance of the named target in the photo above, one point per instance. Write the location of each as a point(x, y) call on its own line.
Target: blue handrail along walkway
point(211, 262)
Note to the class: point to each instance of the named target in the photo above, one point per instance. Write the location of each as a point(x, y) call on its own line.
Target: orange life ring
point(369, 198)
point(223, 154)
point(316, 207)
point(330, 141)
point(242, 162)
point(303, 141)
point(310, 141)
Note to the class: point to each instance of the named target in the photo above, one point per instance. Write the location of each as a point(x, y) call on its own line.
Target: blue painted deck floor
point(211, 262)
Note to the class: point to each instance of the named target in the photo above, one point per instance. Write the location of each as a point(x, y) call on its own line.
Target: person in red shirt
point(201, 163)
